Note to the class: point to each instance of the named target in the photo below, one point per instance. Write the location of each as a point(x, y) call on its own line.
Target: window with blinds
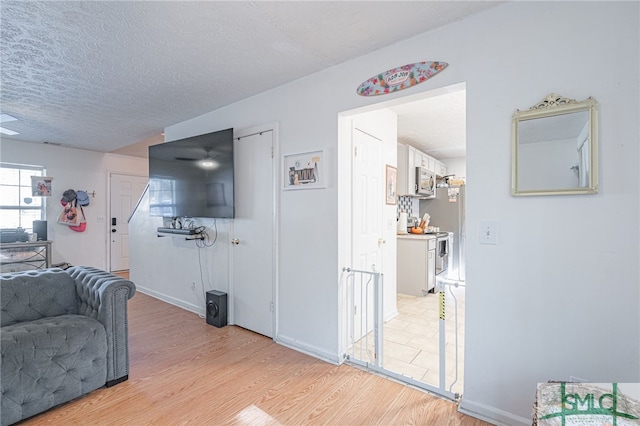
point(18, 206)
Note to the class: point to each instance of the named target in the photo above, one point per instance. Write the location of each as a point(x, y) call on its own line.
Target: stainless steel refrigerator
point(447, 212)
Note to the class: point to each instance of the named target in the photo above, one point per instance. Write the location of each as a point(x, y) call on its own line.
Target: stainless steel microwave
point(425, 182)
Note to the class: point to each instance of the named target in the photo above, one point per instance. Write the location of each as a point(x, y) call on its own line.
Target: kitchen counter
point(416, 273)
point(417, 236)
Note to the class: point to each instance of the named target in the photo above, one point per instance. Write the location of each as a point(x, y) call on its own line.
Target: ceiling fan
point(207, 161)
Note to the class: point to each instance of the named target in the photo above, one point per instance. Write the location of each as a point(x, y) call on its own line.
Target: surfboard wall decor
point(400, 78)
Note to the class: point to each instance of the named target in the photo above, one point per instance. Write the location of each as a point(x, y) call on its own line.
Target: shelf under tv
point(176, 231)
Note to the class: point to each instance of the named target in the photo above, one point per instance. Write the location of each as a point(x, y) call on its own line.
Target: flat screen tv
point(192, 177)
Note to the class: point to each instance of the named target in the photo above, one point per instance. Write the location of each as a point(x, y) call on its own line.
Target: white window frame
point(22, 205)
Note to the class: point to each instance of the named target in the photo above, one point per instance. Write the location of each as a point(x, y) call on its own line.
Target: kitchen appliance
point(447, 212)
point(425, 182)
point(412, 221)
point(442, 251)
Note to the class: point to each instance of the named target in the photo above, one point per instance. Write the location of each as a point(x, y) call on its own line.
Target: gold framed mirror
point(554, 147)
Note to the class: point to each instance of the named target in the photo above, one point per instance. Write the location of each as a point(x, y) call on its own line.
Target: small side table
point(27, 256)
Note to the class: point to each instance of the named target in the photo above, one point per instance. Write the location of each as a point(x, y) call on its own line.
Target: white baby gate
point(365, 324)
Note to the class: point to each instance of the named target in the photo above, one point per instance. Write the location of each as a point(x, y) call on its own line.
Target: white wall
point(456, 166)
point(75, 169)
point(177, 271)
point(554, 298)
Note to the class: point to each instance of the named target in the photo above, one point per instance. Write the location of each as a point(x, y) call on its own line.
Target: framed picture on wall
point(391, 184)
point(304, 170)
point(40, 186)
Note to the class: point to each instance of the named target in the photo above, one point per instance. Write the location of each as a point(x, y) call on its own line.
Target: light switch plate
point(489, 233)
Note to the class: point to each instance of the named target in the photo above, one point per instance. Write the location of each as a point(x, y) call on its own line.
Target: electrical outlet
point(489, 233)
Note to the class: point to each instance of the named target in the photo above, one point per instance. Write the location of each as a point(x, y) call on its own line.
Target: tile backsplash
point(411, 205)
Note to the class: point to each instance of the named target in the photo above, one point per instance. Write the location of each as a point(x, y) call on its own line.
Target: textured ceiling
point(105, 75)
point(436, 125)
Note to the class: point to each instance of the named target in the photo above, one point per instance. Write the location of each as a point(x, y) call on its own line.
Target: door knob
point(382, 241)
point(113, 230)
point(235, 241)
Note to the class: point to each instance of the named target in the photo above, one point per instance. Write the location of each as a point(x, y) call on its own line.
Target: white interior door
point(253, 233)
point(125, 192)
point(367, 201)
point(367, 221)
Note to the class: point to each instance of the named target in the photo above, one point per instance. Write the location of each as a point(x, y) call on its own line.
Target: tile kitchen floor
point(411, 339)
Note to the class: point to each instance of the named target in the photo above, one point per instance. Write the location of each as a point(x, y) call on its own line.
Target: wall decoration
point(41, 186)
point(304, 170)
point(69, 215)
point(400, 78)
point(391, 185)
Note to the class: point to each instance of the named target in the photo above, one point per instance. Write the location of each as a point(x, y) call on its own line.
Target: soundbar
point(176, 231)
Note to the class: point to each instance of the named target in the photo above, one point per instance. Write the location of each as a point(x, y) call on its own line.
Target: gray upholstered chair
point(63, 334)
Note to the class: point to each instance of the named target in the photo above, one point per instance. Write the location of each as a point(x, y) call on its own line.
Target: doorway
point(419, 339)
point(125, 191)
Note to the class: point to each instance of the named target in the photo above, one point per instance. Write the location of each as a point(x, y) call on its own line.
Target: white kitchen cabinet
point(416, 265)
point(440, 168)
point(425, 161)
point(406, 170)
point(422, 160)
point(430, 163)
point(408, 159)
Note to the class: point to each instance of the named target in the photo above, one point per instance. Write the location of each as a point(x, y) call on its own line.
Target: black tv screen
point(192, 177)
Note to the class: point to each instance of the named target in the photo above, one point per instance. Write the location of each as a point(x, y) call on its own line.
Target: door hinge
point(271, 307)
point(355, 151)
point(271, 152)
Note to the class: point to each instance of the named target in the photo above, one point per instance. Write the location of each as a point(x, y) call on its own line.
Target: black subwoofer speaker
point(40, 228)
point(216, 308)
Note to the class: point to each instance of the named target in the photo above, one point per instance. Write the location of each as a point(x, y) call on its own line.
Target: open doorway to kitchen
point(420, 335)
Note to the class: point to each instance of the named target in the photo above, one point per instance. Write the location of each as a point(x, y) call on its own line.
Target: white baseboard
point(308, 349)
point(282, 340)
point(490, 414)
point(171, 300)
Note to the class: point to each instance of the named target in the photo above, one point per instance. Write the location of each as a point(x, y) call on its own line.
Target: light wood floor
point(184, 371)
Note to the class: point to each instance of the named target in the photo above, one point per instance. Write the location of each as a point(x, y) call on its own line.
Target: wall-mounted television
point(192, 177)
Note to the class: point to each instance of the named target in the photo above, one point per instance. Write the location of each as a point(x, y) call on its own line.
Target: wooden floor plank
point(185, 372)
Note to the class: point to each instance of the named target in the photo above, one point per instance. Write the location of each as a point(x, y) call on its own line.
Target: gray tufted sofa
point(63, 334)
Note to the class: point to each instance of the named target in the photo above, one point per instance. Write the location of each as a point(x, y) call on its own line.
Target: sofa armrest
point(103, 296)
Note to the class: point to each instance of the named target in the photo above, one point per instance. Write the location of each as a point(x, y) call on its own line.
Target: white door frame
point(345, 172)
point(107, 216)
point(275, 214)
